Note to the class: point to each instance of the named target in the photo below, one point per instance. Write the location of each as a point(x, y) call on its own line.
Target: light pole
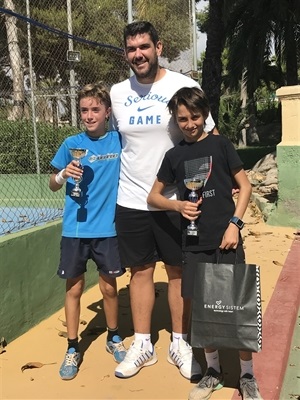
point(72, 72)
point(129, 20)
point(129, 11)
point(32, 90)
point(194, 35)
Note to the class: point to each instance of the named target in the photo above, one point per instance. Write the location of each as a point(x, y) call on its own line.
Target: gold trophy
point(77, 154)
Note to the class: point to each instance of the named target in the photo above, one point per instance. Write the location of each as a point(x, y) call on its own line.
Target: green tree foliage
point(212, 63)
point(18, 157)
point(172, 21)
point(89, 22)
point(254, 31)
point(102, 22)
point(257, 28)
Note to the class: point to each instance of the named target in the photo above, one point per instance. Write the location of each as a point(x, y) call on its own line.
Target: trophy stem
point(77, 154)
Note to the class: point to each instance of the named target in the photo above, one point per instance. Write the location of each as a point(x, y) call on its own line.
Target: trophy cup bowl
point(77, 154)
point(193, 184)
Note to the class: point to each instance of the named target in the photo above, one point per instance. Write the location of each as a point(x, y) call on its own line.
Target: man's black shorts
point(148, 236)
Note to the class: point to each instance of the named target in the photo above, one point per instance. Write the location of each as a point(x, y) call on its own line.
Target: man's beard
point(149, 73)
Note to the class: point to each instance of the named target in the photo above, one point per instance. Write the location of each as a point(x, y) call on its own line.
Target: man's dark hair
point(139, 27)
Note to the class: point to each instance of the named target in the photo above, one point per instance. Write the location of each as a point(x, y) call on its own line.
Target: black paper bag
point(226, 310)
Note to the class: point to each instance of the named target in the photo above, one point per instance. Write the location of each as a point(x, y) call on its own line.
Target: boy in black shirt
point(212, 160)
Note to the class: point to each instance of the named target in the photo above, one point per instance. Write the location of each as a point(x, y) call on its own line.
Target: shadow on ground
point(97, 325)
point(160, 321)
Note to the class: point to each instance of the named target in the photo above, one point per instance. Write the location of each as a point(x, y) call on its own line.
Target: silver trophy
point(193, 184)
point(197, 172)
point(77, 154)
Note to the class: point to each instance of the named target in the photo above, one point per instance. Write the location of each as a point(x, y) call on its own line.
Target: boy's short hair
point(193, 98)
point(139, 27)
point(98, 91)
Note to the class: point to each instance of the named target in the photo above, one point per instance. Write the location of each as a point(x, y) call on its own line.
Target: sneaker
point(184, 359)
point(135, 359)
point(211, 381)
point(69, 367)
point(116, 348)
point(248, 388)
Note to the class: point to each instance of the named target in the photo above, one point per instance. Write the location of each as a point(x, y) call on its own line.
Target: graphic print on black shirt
point(197, 172)
point(199, 168)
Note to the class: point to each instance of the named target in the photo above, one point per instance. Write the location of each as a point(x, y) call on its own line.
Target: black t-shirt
point(214, 158)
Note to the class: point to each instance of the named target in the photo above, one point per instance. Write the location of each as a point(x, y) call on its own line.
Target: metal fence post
point(72, 72)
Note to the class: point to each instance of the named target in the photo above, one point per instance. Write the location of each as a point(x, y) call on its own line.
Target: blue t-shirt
point(93, 214)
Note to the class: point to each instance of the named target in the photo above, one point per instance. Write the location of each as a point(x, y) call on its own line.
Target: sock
point(246, 367)
point(146, 340)
point(212, 360)
point(111, 333)
point(73, 343)
point(176, 339)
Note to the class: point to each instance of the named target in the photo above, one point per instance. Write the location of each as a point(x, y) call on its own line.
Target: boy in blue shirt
point(88, 229)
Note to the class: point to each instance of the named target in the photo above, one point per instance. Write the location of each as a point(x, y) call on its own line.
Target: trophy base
point(192, 233)
point(75, 194)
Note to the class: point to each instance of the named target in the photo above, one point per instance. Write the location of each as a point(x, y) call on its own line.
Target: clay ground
point(267, 246)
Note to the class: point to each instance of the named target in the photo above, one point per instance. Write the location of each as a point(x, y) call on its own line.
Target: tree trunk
point(242, 135)
point(291, 55)
point(248, 134)
point(212, 64)
point(15, 62)
point(54, 107)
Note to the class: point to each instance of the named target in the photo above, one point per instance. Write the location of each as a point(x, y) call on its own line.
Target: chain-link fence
point(49, 49)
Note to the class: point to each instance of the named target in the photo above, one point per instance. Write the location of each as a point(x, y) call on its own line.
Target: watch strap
point(237, 222)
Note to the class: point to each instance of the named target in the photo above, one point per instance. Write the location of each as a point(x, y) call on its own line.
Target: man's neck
point(161, 72)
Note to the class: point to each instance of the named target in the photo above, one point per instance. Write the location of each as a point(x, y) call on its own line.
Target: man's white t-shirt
point(140, 114)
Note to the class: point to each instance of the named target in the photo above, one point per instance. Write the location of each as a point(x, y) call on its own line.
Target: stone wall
point(287, 210)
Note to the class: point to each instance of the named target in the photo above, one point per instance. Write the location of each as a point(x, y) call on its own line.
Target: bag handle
point(219, 254)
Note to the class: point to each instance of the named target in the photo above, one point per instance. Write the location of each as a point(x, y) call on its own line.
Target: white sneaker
point(184, 359)
point(249, 389)
point(211, 381)
point(135, 359)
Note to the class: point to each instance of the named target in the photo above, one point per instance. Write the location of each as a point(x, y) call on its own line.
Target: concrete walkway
point(278, 366)
point(291, 382)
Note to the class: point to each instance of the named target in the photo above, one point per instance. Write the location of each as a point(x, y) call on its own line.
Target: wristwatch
point(238, 222)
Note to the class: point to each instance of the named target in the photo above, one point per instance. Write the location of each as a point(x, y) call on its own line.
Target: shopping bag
point(226, 309)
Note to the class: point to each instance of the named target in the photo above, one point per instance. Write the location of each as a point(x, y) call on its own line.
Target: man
point(145, 234)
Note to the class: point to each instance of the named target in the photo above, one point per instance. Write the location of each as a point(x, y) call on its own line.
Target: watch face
point(240, 223)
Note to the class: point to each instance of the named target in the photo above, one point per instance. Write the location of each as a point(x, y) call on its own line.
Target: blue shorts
point(75, 253)
point(191, 258)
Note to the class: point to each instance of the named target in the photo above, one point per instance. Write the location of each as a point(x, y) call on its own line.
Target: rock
point(266, 163)
point(264, 177)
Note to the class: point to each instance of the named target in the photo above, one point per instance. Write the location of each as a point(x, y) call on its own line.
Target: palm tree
point(257, 28)
point(212, 64)
point(15, 62)
point(253, 31)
